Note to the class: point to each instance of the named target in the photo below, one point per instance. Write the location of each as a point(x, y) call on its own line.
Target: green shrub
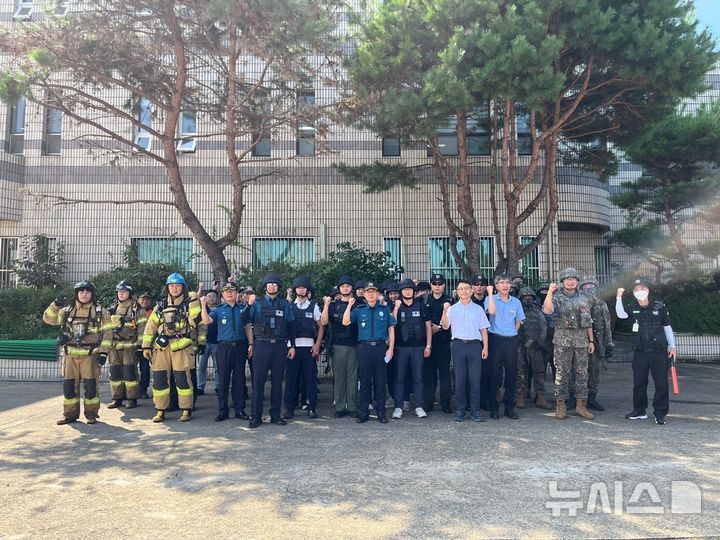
point(21, 312)
point(351, 259)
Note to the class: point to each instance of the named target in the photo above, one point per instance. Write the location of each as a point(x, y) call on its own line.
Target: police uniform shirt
point(466, 321)
point(405, 327)
point(506, 315)
point(433, 309)
point(228, 322)
point(372, 322)
point(306, 341)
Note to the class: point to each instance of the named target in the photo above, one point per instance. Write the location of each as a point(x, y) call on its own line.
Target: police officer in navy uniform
point(653, 343)
point(307, 349)
point(232, 350)
point(413, 345)
point(268, 326)
point(437, 367)
point(376, 325)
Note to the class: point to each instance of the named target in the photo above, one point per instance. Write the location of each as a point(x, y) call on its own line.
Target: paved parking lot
point(434, 478)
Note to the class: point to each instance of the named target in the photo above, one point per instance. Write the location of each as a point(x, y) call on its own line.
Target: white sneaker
point(397, 413)
point(420, 412)
point(406, 406)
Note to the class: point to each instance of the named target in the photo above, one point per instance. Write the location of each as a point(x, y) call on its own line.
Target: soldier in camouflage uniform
point(604, 346)
point(531, 343)
point(573, 341)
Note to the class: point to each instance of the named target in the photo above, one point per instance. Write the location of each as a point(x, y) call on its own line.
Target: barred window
point(296, 250)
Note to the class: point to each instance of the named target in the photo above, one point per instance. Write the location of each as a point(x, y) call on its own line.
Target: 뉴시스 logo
point(685, 498)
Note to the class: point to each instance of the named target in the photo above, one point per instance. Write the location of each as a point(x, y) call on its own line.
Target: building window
point(261, 146)
point(172, 251)
point(478, 131)
point(391, 146)
point(295, 250)
point(530, 263)
point(144, 116)
point(524, 140)
point(447, 138)
point(393, 247)
point(16, 127)
point(61, 8)
point(443, 262)
point(602, 264)
point(306, 125)
point(52, 138)
point(8, 254)
point(24, 10)
point(187, 126)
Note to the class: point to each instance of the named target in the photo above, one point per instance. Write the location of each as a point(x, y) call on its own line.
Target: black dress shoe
point(339, 414)
point(353, 414)
point(278, 421)
point(288, 415)
point(362, 419)
point(382, 420)
point(241, 415)
point(446, 410)
point(220, 417)
point(312, 413)
point(254, 422)
point(512, 415)
point(494, 415)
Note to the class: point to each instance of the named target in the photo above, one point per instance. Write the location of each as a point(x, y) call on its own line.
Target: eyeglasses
point(437, 284)
point(464, 288)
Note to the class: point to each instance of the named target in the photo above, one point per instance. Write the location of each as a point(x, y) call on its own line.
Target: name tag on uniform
point(279, 313)
point(636, 327)
point(308, 315)
point(223, 321)
point(415, 313)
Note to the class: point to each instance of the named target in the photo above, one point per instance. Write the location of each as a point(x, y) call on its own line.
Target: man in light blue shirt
point(506, 316)
point(469, 347)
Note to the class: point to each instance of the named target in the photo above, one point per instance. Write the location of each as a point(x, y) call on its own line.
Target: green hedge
point(21, 312)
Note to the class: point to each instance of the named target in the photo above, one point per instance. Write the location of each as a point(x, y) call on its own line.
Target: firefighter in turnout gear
point(168, 344)
point(86, 338)
point(123, 362)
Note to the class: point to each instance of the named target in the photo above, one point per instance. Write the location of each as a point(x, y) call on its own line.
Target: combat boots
point(131, 404)
point(186, 415)
point(541, 402)
point(593, 404)
point(114, 404)
point(159, 417)
point(520, 400)
point(65, 420)
point(581, 410)
point(560, 410)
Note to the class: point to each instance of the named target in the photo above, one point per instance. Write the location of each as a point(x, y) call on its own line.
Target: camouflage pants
point(571, 364)
point(535, 358)
point(594, 373)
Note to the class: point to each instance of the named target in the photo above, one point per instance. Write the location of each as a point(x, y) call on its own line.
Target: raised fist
point(351, 302)
point(620, 292)
point(251, 299)
point(552, 287)
point(397, 303)
point(446, 306)
point(490, 290)
point(61, 300)
point(327, 300)
point(203, 300)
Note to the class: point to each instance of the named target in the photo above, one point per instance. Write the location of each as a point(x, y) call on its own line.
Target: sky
point(708, 13)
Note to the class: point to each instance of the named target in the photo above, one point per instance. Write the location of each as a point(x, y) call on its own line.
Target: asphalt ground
point(126, 477)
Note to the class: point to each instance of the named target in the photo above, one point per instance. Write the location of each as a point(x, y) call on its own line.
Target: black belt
point(232, 343)
point(467, 340)
point(264, 340)
point(500, 336)
point(373, 343)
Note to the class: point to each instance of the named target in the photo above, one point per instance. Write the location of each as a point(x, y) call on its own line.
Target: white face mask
point(641, 295)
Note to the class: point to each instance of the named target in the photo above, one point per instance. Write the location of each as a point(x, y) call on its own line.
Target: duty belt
point(373, 343)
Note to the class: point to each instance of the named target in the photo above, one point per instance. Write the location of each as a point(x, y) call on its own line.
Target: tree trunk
point(682, 249)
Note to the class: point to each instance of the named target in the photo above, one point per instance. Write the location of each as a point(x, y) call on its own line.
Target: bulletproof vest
point(305, 325)
point(411, 322)
point(650, 334)
point(174, 319)
point(573, 312)
point(83, 329)
point(272, 323)
point(340, 331)
point(124, 319)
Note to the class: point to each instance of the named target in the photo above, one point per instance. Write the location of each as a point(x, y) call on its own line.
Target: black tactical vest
point(272, 323)
point(651, 334)
point(305, 325)
point(411, 323)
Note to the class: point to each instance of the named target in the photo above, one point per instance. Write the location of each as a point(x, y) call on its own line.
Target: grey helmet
point(568, 272)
